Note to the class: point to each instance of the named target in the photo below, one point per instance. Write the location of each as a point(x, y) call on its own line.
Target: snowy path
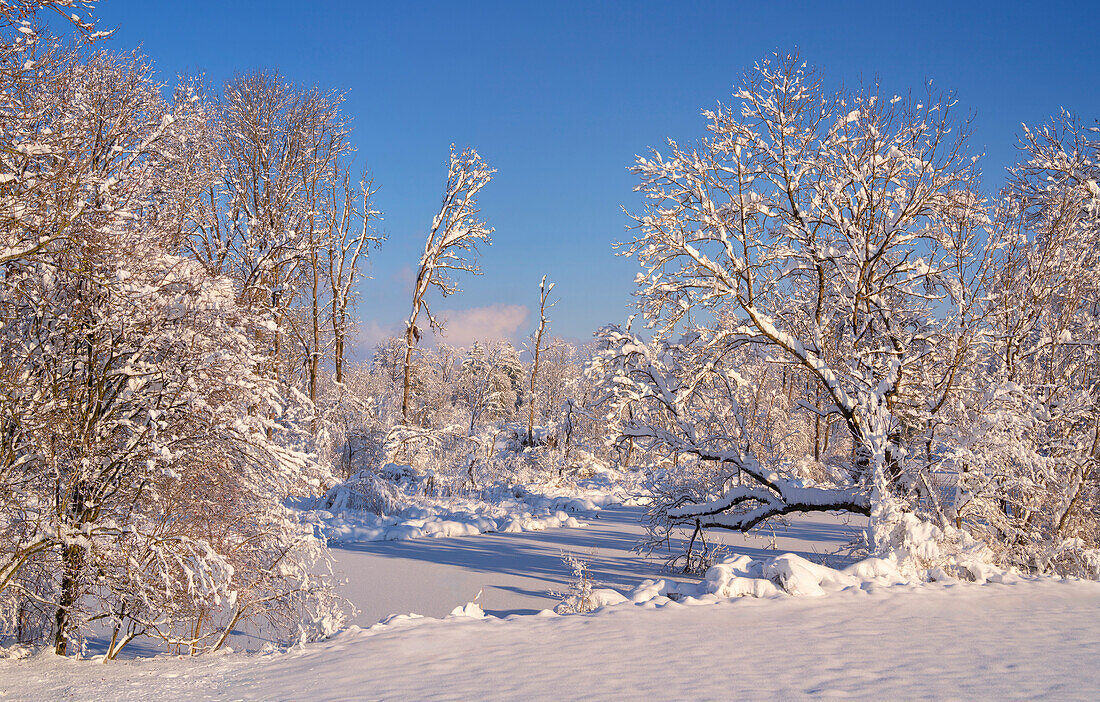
point(515, 571)
point(1024, 641)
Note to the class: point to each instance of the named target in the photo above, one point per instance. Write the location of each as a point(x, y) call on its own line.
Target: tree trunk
point(72, 558)
point(315, 350)
point(410, 340)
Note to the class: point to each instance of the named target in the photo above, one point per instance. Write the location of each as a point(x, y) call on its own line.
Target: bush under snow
point(391, 505)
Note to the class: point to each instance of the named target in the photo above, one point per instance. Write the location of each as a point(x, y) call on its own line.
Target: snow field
point(1024, 640)
point(757, 626)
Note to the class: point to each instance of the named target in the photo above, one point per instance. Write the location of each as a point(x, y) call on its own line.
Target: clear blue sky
point(560, 96)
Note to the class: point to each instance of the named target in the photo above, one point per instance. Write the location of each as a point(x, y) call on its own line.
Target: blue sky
point(560, 96)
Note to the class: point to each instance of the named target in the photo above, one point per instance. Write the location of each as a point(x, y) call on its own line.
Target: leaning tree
point(449, 249)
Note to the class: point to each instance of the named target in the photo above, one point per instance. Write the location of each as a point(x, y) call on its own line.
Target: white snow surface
point(1028, 639)
point(515, 572)
point(762, 624)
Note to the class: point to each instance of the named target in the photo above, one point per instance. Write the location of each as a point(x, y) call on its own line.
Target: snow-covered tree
point(282, 217)
point(144, 461)
point(819, 229)
point(451, 244)
point(1026, 442)
point(345, 249)
point(544, 296)
point(489, 384)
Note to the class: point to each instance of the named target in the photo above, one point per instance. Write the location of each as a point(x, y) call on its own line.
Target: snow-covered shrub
point(1076, 557)
point(364, 491)
point(578, 598)
point(429, 453)
point(918, 548)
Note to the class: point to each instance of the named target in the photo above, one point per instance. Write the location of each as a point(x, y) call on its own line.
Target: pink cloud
point(498, 321)
point(365, 336)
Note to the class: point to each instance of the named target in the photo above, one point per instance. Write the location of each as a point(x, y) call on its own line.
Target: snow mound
point(920, 550)
point(470, 610)
point(790, 575)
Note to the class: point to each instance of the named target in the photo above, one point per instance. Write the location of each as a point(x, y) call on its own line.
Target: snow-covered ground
point(864, 638)
point(1023, 641)
point(515, 572)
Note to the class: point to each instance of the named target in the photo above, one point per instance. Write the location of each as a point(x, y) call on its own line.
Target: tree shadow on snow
point(606, 545)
